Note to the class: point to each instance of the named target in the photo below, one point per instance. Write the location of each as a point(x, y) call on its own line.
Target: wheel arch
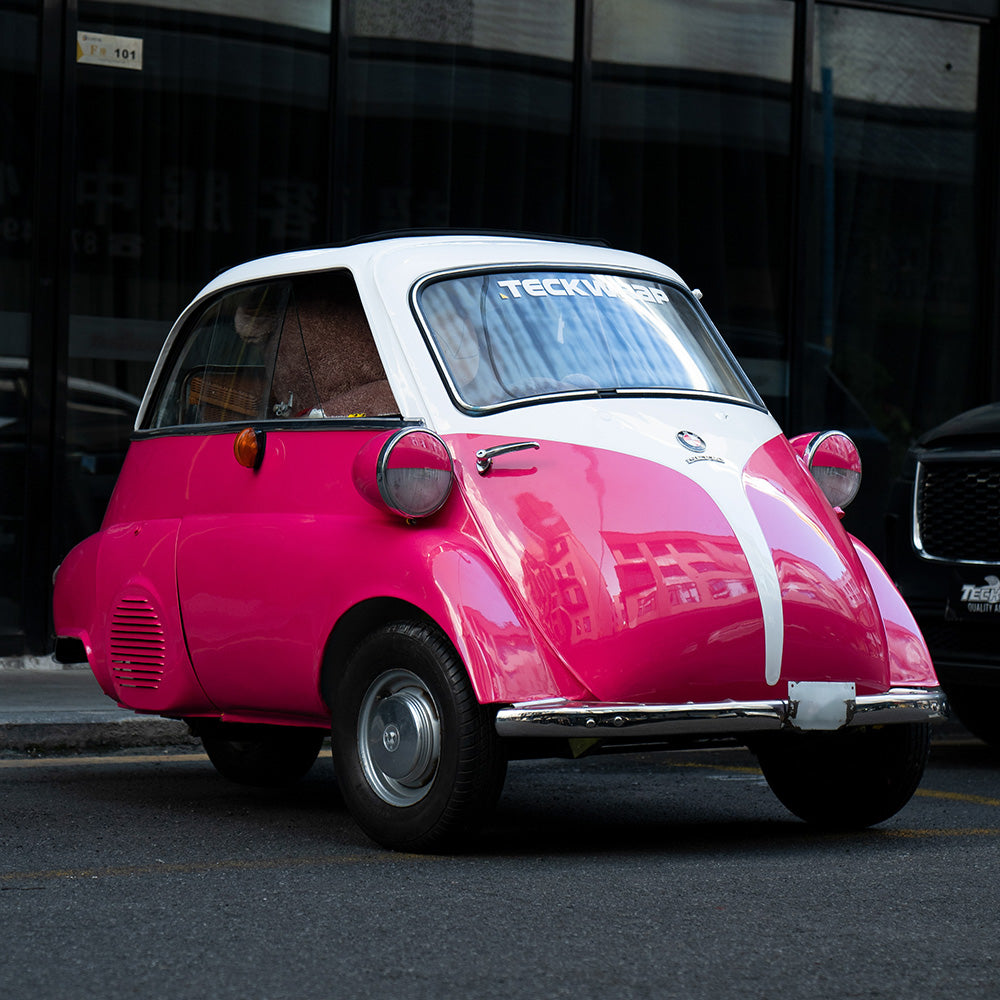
point(505, 660)
point(357, 622)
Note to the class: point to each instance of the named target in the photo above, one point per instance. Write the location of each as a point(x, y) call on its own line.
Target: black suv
point(944, 554)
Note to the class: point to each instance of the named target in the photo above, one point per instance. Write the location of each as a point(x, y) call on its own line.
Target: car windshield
point(517, 335)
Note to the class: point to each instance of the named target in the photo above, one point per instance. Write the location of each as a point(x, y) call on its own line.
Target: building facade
point(826, 172)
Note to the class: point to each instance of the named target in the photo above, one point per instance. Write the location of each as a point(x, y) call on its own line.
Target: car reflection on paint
point(454, 500)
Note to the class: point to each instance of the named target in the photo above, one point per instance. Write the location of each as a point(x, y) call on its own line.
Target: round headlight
point(835, 464)
point(414, 473)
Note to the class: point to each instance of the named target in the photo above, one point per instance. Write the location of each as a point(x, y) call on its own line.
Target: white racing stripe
point(647, 429)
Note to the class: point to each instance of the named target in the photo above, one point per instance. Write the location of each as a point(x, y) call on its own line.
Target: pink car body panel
point(267, 562)
point(609, 565)
point(622, 580)
point(638, 580)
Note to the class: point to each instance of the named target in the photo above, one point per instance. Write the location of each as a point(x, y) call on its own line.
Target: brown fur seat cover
point(326, 356)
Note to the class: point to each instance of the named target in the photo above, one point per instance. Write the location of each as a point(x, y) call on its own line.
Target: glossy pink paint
point(630, 569)
point(638, 580)
point(909, 661)
point(870, 598)
point(832, 625)
point(570, 571)
point(268, 561)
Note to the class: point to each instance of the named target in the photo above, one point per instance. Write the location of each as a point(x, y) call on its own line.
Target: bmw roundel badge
point(691, 441)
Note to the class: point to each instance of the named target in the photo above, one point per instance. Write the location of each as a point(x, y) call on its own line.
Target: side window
point(327, 364)
point(224, 367)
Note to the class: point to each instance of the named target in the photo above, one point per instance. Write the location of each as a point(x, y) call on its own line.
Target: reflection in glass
point(18, 74)
point(214, 151)
point(692, 105)
point(893, 337)
point(459, 116)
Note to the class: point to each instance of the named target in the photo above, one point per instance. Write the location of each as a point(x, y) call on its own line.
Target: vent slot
point(138, 644)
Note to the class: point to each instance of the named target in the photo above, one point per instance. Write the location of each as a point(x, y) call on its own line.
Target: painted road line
point(168, 758)
point(978, 800)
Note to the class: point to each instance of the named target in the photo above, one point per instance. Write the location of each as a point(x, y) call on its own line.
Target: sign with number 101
point(108, 50)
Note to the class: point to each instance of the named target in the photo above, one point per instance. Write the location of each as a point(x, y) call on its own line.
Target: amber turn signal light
point(249, 448)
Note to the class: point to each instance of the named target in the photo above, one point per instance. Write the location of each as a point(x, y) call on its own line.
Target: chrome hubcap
point(399, 737)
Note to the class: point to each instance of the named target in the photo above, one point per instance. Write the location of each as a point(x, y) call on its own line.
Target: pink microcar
point(455, 500)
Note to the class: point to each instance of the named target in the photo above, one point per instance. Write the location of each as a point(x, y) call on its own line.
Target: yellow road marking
point(928, 793)
point(716, 767)
point(915, 834)
point(170, 758)
point(979, 800)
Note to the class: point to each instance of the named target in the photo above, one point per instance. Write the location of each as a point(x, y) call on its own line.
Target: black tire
point(416, 756)
point(975, 710)
point(264, 756)
point(846, 780)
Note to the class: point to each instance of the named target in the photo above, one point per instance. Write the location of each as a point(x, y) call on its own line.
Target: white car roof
point(413, 257)
point(386, 268)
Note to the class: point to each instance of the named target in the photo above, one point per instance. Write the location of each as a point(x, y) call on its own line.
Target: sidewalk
point(64, 709)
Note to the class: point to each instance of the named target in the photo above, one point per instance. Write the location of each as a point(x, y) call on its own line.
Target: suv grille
point(958, 510)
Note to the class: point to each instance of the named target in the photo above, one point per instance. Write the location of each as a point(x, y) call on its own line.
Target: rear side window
point(286, 349)
point(223, 369)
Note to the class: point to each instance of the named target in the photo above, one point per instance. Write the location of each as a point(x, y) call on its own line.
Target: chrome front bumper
point(597, 720)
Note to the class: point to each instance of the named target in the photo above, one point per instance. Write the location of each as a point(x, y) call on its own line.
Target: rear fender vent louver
point(138, 644)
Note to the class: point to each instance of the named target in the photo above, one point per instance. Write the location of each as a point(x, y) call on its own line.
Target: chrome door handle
point(485, 456)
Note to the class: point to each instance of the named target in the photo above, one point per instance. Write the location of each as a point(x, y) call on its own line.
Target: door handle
point(485, 456)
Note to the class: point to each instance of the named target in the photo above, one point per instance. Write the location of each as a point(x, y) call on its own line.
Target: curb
point(48, 706)
point(80, 734)
point(28, 662)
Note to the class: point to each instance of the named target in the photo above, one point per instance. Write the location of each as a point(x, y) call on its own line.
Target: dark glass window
point(459, 115)
point(201, 141)
point(893, 341)
point(224, 365)
point(692, 104)
point(18, 75)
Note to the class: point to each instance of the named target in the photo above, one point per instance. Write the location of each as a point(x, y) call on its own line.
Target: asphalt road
point(146, 875)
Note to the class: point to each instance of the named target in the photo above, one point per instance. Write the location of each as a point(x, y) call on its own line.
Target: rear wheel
point(849, 779)
point(266, 756)
point(416, 756)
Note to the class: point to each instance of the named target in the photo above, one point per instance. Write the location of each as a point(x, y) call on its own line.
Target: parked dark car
point(944, 553)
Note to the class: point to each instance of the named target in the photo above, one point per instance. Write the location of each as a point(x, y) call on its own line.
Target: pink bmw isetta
point(456, 500)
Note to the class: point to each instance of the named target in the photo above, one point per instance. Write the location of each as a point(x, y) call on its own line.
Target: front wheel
point(416, 756)
point(849, 779)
